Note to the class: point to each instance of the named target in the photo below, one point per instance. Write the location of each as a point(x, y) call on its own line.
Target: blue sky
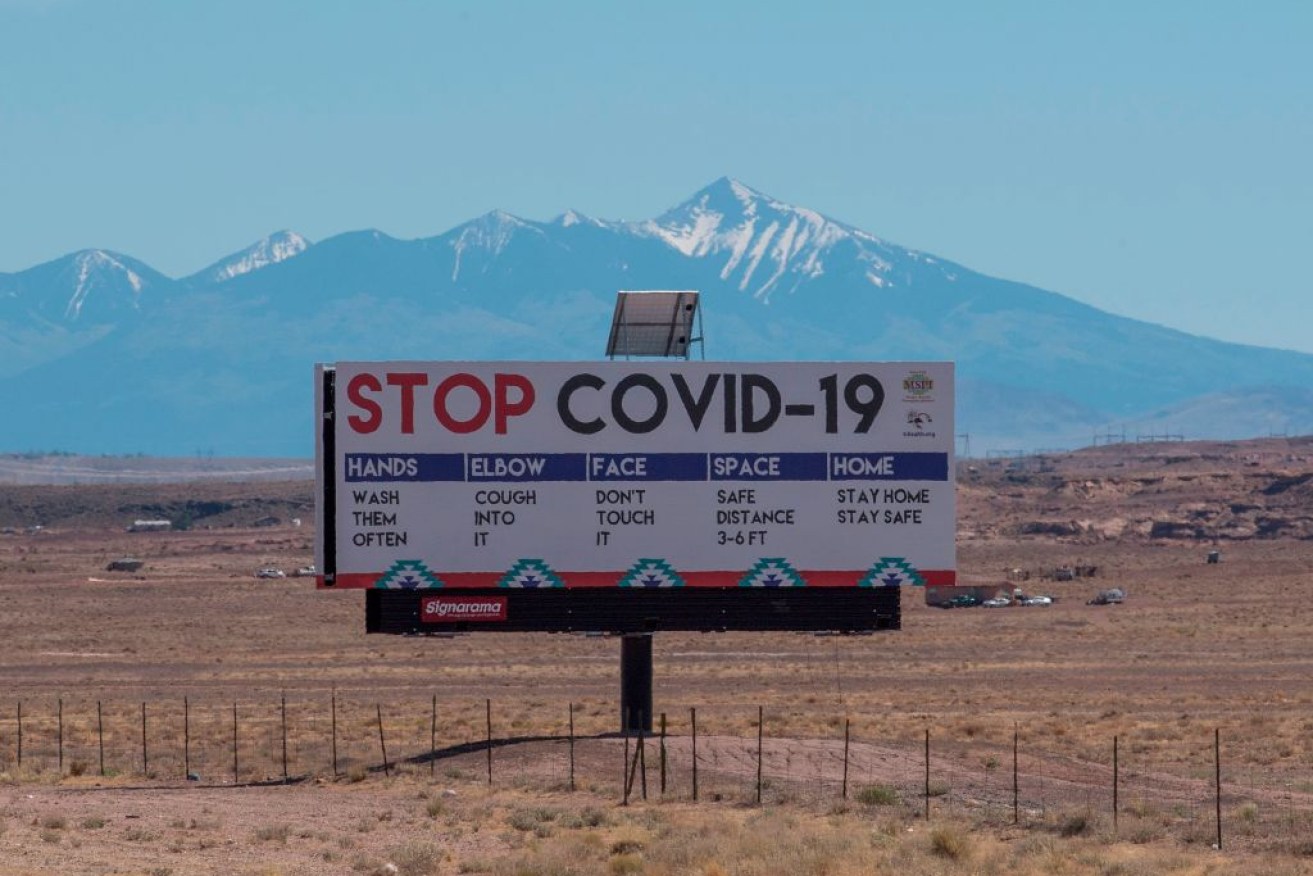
point(1151, 159)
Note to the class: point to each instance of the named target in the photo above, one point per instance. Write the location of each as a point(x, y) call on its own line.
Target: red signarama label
point(454, 609)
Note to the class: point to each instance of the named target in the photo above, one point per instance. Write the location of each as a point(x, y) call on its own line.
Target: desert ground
point(1199, 680)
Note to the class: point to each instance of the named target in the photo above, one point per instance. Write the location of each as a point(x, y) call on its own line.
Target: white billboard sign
point(636, 474)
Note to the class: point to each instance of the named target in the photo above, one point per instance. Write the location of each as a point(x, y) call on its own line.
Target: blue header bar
point(768, 466)
point(527, 467)
point(888, 466)
point(602, 467)
point(647, 466)
point(376, 467)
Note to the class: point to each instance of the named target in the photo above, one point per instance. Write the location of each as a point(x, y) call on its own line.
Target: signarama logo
point(437, 609)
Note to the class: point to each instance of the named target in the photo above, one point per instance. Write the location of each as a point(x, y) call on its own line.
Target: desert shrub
point(1035, 846)
point(416, 859)
point(1301, 848)
point(877, 795)
point(1143, 832)
point(534, 820)
point(273, 833)
point(624, 864)
point(1075, 824)
point(587, 817)
point(949, 843)
point(364, 864)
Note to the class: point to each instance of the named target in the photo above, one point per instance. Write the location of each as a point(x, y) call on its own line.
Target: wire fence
point(1191, 782)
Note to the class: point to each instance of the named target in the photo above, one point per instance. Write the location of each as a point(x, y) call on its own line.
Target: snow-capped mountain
point(54, 309)
point(277, 247)
point(221, 360)
point(766, 247)
point(89, 286)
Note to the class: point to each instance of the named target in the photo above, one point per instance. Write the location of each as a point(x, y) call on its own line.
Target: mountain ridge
point(220, 359)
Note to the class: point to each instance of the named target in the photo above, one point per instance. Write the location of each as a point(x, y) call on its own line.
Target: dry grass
point(1197, 647)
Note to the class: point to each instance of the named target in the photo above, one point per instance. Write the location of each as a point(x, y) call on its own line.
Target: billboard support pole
point(636, 683)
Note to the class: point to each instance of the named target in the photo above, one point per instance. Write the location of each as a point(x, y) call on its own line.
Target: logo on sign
point(918, 386)
point(918, 423)
point(458, 609)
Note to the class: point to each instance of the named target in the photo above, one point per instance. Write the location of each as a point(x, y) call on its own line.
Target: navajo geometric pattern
point(651, 573)
point(772, 572)
point(407, 575)
point(530, 574)
point(892, 572)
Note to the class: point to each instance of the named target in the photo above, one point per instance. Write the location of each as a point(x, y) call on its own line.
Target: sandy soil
point(1197, 648)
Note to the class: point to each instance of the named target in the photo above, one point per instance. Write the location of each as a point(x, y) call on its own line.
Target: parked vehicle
point(1037, 600)
point(996, 602)
point(1115, 596)
point(270, 572)
point(962, 600)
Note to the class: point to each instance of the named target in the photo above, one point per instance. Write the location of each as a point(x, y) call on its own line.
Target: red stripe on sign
point(461, 609)
point(592, 580)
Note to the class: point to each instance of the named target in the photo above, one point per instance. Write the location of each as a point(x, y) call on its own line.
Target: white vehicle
point(304, 572)
point(996, 602)
point(270, 572)
point(1037, 600)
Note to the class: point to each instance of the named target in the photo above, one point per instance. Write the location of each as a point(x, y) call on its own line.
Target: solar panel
point(654, 323)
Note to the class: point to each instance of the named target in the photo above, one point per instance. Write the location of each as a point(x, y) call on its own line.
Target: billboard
point(547, 488)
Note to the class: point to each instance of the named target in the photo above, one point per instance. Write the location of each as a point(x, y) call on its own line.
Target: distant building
point(150, 526)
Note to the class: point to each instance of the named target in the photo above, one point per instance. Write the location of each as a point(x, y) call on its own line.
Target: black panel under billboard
point(629, 610)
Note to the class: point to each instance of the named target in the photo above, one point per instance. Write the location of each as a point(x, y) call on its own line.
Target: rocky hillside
point(1207, 492)
point(1196, 491)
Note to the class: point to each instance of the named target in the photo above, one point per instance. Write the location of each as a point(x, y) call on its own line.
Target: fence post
point(1115, 782)
point(488, 713)
point(571, 746)
point(433, 738)
point(846, 730)
point(387, 771)
point(235, 773)
point(693, 719)
point(20, 734)
point(632, 766)
point(284, 720)
point(663, 754)
point(333, 731)
point(927, 774)
point(100, 733)
point(61, 736)
point(186, 739)
point(145, 759)
point(760, 722)
point(1217, 763)
point(642, 755)
point(1016, 784)
point(624, 772)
